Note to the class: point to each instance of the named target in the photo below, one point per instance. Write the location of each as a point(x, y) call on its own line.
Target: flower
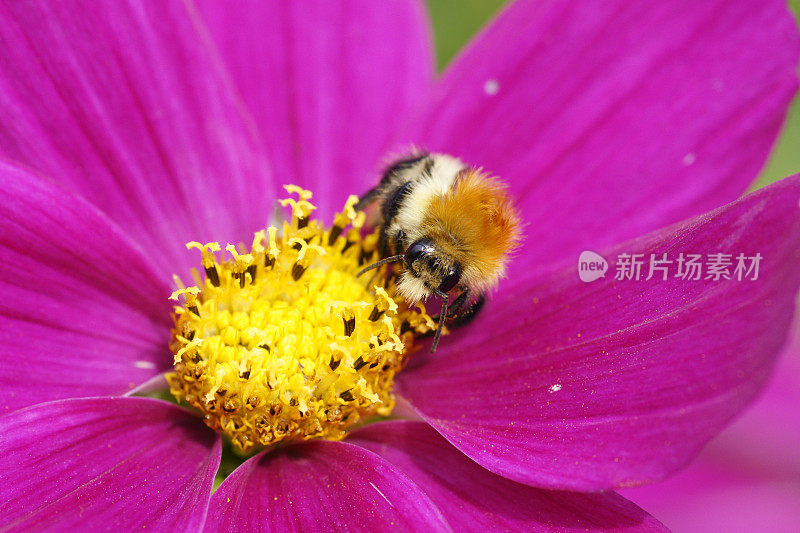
point(129, 129)
point(748, 477)
point(287, 343)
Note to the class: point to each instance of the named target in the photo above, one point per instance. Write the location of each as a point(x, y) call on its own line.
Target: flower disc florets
point(284, 342)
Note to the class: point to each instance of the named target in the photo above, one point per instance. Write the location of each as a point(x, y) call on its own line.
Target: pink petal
point(748, 477)
point(766, 439)
point(710, 497)
point(123, 102)
point(612, 119)
point(564, 384)
point(473, 499)
point(114, 464)
point(82, 312)
point(328, 82)
point(320, 486)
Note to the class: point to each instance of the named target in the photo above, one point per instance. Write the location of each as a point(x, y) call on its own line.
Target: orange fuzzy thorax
point(477, 224)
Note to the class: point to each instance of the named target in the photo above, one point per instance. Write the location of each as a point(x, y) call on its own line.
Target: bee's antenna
point(382, 262)
point(442, 318)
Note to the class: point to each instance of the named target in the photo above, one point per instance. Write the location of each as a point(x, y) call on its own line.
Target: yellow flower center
point(284, 342)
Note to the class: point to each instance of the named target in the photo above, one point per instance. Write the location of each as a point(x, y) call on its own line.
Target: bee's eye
point(416, 250)
point(450, 281)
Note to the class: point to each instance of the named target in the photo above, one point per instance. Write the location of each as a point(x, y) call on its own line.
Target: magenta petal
point(615, 118)
point(116, 464)
point(320, 486)
point(327, 82)
point(473, 499)
point(123, 102)
point(82, 312)
point(748, 477)
point(565, 384)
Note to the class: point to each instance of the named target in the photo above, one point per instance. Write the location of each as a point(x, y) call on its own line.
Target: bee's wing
point(368, 198)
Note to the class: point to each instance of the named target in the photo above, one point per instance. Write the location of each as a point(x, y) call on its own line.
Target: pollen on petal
point(283, 341)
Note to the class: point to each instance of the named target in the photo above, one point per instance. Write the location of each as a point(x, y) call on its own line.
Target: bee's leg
point(459, 319)
point(453, 317)
point(442, 318)
point(458, 303)
point(456, 306)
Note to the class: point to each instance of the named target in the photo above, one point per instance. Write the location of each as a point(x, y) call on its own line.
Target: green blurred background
point(455, 21)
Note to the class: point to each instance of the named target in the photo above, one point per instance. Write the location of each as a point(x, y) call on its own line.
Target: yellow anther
point(258, 248)
point(190, 292)
point(305, 248)
point(358, 223)
point(421, 321)
point(348, 215)
point(301, 209)
point(188, 346)
point(241, 261)
point(232, 250)
point(385, 302)
point(206, 250)
point(303, 194)
point(299, 348)
point(273, 250)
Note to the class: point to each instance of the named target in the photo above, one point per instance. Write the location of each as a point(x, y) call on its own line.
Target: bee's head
point(428, 270)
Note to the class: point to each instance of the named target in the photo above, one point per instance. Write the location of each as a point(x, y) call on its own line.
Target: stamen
point(349, 326)
point(286, 342)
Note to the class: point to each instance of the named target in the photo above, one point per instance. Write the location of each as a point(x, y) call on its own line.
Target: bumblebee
point(451, 226)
